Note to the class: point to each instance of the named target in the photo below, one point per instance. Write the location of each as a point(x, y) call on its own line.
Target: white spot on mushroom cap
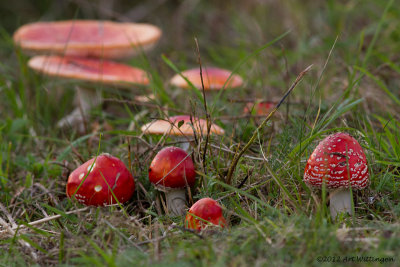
point(98, 188)
point(81, 175)
point(91, 167)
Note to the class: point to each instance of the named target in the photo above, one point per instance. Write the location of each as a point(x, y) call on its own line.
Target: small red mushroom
point(260, 108)
point(340, 162)
point(92, 182)
point(204, 212)
point(172, 170)
point(213, 79)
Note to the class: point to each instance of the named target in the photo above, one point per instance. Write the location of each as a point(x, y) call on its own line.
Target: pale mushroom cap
point(213, 78)
point(87, 38)
point(171, 126)
point(91, 70)
point(340, 161)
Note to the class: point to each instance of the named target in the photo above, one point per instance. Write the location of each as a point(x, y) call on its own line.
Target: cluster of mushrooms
point(105, 180)
point(84, 50)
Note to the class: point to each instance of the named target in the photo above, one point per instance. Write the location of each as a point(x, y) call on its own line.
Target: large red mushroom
point(87, 38)
point(204, 212)
point(98, 180)
point(90, 70)
point(79, 40)
point(339, 162)
point(171, 171)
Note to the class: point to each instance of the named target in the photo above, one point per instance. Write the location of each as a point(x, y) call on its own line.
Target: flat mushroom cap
point(337, 159)
point(90, 70)
point(213, 78)
point(173, 168)
point(172, 126)
point(208, 210)
point(100, 177)
point(87, 38)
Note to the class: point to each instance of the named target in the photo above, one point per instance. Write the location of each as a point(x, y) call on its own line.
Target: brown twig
point(208, 118)
point(286, 78)
point(237, 156)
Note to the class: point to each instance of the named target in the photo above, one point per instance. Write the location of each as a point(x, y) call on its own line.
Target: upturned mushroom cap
point(100, 177)
point(181, 125)
point(90, 70)
point(172, 167)
point(208, 210)
point(87, 38)
point(340, 161)
point(213, 78)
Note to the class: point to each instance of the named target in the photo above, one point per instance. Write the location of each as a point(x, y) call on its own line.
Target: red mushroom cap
point(213, 78)
point(87, 38)
point(95, 190)
point(172, 167)
point(337, 159)
point(207, 209)
point(90, 70)
point(261, 108)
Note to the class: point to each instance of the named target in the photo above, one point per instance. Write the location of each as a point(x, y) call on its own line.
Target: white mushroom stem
point(85, 99)
point(340, 201)
point(185, 143)
point(176, 200)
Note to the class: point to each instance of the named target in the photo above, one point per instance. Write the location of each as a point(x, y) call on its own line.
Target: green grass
point(273, 218)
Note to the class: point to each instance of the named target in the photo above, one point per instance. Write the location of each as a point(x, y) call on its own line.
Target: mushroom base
point(86, 99)
point(176, 200)
point(340, 201)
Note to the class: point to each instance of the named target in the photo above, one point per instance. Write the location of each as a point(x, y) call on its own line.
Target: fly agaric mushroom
point(100, 180)
point(87, 38)
point(90, 71)
point(340, 163)
point(204, 212)
point(171, 171)
point(213, 78)
point(182, 126)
